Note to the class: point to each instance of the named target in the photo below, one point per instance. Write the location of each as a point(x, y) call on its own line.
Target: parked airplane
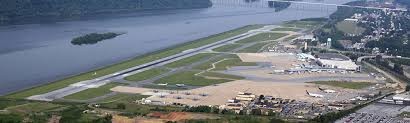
point(180, 85)
point(162, 84)
point(314, 95)
point(327, 90)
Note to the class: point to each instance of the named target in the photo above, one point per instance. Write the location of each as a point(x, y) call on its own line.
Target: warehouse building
point(336, 61)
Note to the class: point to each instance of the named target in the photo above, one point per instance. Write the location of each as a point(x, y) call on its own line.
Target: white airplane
point(314, 95)
point(327, 90)
point(180, 85)
point(162, 84)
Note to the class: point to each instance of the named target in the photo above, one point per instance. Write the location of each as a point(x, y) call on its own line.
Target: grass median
point(230, 61)
point(227, 48)
point(122, 97)
point(262, 37)
point(189, 78)
point(190, 60)
point(129, 63)
point(254, 48)
point(222, 76)
point(342, 84)
point(286, 29)
point(148, 74)
point(302, 24)
point(93, 92)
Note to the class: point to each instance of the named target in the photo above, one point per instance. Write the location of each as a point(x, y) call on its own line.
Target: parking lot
point(370, 118)
point(383, 109)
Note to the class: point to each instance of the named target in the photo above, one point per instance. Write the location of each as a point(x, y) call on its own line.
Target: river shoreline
point(28, 49)
point(16, 94)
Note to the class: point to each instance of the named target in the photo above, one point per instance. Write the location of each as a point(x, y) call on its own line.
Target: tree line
point(14, 11)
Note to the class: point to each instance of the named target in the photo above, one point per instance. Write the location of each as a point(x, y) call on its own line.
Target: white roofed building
point(336, 61)
point(346, 65)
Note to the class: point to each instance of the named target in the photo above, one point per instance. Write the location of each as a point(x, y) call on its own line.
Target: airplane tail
point(321, 89)
point(307, 92)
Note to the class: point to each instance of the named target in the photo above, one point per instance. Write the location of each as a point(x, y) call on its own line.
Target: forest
point(13, 11)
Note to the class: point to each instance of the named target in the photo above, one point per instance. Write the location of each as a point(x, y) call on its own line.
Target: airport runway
point(80, 86)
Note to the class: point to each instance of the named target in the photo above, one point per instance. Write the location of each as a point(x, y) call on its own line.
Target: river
point(34, 54)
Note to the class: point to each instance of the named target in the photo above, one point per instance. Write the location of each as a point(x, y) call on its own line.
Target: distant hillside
point(404, 2)
point(15, 10)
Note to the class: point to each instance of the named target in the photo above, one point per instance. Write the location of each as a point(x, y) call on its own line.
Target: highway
point(83, 85)
point(360, 59)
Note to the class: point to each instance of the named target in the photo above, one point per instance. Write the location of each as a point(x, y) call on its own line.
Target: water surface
point(35, 54)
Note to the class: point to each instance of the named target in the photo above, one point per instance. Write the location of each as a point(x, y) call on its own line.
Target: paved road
point(80, 86)
point(360, 59)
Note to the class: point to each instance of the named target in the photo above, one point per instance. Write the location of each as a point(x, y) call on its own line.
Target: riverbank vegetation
point(94, 38)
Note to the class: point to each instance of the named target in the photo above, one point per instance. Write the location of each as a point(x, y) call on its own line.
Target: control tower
point(329, 43)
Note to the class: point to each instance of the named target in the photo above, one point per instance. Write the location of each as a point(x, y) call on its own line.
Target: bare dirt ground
point(157, 117)
point(219, 94)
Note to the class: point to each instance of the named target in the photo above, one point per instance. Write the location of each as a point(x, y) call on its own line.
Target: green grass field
point(189, 60)
point(224, 65)
point(4, 103)
point(349, 85)
point(291, 37)
point(262, 37)
point(221, 75)
point(130, 63)
point(133, 108)
point(302, 24)
point(122, 97)
point(233, 60)
point(92, 92)
point(286, 29)
point(404, 114)
point(254, 48)
point(350, 27)
point(189, 78)
point(148, 74)
point(227, 48)
point(400, 61)
point(34, 107)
